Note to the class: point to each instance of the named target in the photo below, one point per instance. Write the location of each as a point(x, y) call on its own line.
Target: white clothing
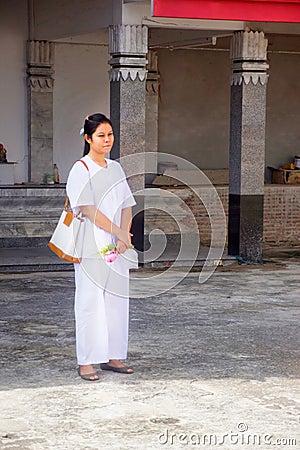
point(102, 289)
point(101, 322)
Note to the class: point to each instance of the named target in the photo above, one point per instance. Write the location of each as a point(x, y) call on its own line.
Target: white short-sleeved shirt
point(104, 187)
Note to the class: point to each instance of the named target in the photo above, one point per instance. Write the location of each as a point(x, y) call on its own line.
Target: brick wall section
point(281, 213)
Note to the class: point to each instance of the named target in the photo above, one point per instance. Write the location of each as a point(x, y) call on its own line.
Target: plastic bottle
point(56, 174)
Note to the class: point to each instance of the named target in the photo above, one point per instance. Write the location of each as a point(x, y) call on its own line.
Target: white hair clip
point(81, 132)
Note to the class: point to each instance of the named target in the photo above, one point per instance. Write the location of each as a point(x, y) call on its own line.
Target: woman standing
point(98, 190)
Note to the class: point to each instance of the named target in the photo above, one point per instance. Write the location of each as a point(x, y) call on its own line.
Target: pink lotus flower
point(109, 253)
point(110, 256)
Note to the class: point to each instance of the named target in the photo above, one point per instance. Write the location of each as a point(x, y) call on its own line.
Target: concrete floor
point(217, 364)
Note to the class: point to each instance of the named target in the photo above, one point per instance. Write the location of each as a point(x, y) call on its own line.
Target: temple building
point(213, 83)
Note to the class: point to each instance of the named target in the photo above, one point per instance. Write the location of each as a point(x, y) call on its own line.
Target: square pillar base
point(245, 235)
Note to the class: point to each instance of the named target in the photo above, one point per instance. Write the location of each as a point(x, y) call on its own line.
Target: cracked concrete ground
point(217, 365)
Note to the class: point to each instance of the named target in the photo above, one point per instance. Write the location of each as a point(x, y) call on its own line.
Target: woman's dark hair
point(91, 124)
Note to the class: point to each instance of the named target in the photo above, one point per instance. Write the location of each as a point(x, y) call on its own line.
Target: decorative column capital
point(40, 56)
point(128, 40)
point(128, 46)
point(249, 45)
point(40, 53)
point(249, 58)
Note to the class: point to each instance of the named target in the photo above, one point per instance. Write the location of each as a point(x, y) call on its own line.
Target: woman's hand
point(121, 247)
point(125, 237)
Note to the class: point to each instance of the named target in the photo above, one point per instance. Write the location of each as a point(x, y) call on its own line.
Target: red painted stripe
point(248, 10)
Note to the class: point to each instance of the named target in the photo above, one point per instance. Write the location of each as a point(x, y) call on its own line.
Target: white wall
point(13, 103)
point(283, 109)
point(194, 109)
point(81, 87)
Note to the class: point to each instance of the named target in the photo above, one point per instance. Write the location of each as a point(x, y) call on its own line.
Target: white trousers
point(101, 321)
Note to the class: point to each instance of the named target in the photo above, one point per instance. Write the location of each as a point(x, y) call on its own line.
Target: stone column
point(40, 109)
point(152, 98)
point(247, 145)
point(128, 47)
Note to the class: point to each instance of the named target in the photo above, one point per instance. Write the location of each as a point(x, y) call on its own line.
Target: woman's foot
point(88, 373)
point(116, 366)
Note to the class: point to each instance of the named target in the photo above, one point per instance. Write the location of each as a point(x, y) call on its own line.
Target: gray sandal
point(87, 376)
point(127, 370)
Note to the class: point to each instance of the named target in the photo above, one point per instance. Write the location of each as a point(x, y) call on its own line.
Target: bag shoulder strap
point(84, 163)
point(67, 198)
